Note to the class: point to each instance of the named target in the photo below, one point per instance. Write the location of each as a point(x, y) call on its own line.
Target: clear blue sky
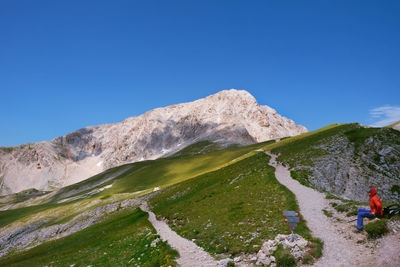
point(65, 65)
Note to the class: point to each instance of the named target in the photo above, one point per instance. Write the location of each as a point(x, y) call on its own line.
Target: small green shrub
point(283, 257)
point(377, 229)
point(327, 213)
point(330, 196)
point(7, 149)
point(105, 197)
point(395, 188)
point(345, 207)
point(302, 176)
point(352, 212)
point(231, 264)
point(316, 247)
point(307, 260)
point(315, 251)
point(342, 208)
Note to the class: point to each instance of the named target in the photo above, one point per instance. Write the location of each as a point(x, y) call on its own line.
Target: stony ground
point(383, 251)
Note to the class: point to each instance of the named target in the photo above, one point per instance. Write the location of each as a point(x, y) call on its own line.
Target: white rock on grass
point(225, 262)
point(237, 259)
point(154, 243)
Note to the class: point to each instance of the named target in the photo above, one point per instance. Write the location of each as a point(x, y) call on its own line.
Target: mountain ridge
point(228, 117)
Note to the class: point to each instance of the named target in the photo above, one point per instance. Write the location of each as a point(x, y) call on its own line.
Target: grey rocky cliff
point(346, 168)
point(230, 116)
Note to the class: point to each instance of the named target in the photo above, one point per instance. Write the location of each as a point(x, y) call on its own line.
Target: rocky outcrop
point(352, 159)
point(230, 116)
point(297, 248)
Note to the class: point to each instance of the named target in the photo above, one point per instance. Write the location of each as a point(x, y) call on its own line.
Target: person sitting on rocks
point(376, 209)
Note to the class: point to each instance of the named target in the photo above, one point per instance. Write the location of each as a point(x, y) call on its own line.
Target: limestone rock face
point(346, 168)
point(230, 116)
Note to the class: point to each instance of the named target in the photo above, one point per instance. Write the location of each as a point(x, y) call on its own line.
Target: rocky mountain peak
point(229, 116)
point(233, 95)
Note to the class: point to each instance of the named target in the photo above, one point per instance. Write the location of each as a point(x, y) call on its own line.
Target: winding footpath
point(341, 246)
point(338, 251)
point(190, 253)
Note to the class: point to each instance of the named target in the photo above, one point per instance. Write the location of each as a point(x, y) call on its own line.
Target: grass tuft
point(327, 213)
point(377, 229)
point(302, 176)
point(283, 257)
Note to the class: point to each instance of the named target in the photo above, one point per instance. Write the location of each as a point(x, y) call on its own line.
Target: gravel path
point(190, 253)
point(338, 251)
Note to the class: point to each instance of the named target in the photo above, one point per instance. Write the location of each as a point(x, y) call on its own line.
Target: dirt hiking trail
point(190, 253)
point(341, 246)
point(338, 250)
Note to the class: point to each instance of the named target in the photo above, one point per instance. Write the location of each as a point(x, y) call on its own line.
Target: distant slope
point(228, 117)
point(345, 159)
point(160, 173)
point(124, 239)
point(126, 181)
point(395, 125)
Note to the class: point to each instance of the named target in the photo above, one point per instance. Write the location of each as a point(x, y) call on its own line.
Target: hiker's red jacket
point(375, 203)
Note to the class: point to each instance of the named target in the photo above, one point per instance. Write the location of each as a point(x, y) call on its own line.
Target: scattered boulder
point(237, 259)
point(154, 243)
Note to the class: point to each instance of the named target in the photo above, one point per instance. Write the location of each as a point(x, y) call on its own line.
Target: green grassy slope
point(228, 200)
point(165, 171)
point(140, 177)
point(300, 149)
point(20, 197)
point(202, 147)
point(123, 239)
point(231, 210)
